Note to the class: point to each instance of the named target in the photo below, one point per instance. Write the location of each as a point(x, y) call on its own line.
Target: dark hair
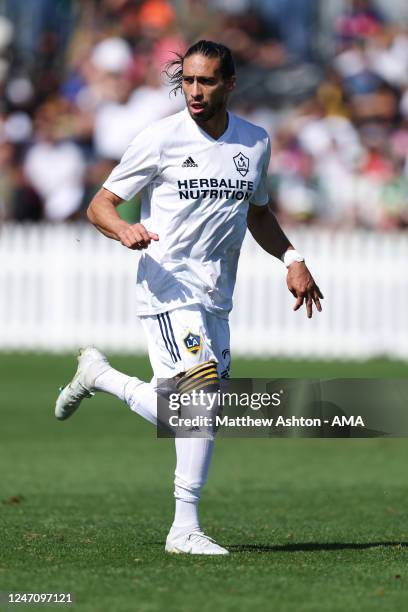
point(174, 68)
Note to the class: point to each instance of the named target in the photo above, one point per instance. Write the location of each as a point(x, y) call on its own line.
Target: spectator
point(54, 166)
point(75, 92)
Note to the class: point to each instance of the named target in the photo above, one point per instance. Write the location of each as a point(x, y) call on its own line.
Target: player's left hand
point(302, 285)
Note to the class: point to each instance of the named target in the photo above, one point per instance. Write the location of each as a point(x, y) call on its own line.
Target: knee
point(203, 376)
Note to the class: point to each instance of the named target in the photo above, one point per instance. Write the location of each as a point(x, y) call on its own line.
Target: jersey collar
point(198, 131)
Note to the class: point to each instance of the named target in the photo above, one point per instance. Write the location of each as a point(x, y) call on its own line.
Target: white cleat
point(91, 363)
point(194, 543)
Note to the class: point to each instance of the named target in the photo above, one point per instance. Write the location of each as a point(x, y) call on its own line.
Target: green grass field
point(85, 505)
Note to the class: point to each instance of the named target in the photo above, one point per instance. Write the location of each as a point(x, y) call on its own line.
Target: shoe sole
point(173, 550)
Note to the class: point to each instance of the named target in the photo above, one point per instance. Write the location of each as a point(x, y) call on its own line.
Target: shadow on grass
point(313, 546)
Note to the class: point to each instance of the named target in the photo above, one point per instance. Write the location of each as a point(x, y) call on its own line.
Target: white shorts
point(183, 337)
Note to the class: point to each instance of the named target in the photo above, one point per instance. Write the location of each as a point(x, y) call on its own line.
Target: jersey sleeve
point(260, 197)
point(138, 166)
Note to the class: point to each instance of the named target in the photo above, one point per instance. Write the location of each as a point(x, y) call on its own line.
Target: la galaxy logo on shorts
point(192, 342)
point(241, 163)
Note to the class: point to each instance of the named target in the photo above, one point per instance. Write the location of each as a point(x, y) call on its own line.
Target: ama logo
point(192, 342)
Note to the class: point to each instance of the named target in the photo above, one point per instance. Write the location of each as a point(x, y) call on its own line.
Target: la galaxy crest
point(192, 342)
point(241, 162)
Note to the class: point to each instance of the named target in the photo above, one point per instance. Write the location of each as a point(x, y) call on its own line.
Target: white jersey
point(195, 193)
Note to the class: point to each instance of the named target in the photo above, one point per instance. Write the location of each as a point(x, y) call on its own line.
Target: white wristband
point(290, 256)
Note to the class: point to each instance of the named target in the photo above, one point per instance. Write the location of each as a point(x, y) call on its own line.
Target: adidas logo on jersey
point(189, 163)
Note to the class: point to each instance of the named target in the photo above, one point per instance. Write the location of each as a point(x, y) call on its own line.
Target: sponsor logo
point(234, 189)
point(241, 163)
point(192, 342)
point(189, 163)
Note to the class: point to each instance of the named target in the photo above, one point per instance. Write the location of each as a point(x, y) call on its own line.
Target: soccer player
point(202, 177)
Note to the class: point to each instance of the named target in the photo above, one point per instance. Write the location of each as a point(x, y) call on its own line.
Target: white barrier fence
point(64, 286)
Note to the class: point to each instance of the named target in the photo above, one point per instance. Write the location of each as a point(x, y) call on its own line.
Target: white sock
point(139, 395)
point(142, 398)
point(193, 461)
point(193, 454)
point(112, 381)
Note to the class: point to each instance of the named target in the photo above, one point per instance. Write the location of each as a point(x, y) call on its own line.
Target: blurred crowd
point(79, 79)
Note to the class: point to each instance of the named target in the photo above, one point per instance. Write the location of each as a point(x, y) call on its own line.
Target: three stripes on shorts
point(168, 336)
point(202, 376)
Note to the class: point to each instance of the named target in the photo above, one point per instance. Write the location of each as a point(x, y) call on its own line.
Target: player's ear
point(231, 82)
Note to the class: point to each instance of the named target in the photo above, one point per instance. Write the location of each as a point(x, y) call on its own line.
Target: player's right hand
point(136, 237)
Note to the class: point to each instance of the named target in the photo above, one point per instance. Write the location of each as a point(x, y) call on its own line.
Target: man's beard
point(209, 112)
